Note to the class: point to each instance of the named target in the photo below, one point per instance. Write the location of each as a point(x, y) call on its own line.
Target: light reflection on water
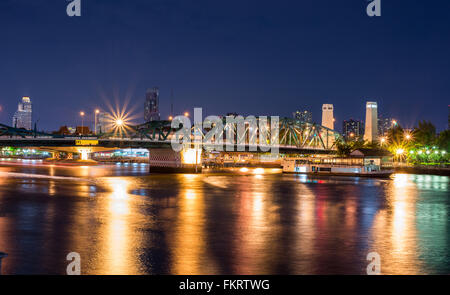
point(124, 221)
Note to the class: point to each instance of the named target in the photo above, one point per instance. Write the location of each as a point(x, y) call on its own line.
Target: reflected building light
point(401, 180)
point(258, 171)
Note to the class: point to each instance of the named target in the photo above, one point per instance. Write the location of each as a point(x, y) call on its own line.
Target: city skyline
point(197, 55)
point(152, 94)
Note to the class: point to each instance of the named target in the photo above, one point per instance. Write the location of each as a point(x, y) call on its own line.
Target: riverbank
point(431, 170)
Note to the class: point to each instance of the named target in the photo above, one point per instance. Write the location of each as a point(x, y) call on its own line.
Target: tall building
point(151, 108)
point(104, 122)
point(384, 124)
point(304, 116)
point(22, 117)
point(371, 130)
point(352, 129)
point(448, 127)
point(327, 116)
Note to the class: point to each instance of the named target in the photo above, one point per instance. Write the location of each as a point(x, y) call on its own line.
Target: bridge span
point(294, 137)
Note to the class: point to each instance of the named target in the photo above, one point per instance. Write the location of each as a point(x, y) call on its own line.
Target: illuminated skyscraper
point(371, 130)
point(151, 108)
point(384, 124)
point(304, 116)
point(22, 117)
point(327, 116)
point(353, 129)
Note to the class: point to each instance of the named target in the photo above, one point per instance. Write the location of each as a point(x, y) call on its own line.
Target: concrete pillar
point(166, 160)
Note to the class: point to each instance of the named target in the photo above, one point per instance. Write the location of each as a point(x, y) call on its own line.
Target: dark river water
point(121, 220)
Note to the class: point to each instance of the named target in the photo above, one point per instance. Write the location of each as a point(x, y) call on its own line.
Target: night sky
point(250, 57)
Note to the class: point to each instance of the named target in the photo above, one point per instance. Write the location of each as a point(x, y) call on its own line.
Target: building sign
point(86, 142)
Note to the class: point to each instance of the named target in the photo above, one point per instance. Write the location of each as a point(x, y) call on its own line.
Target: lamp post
point(95, 120)
point(82, 122)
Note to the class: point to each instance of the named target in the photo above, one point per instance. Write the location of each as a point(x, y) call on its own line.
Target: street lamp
point(82, 122)
point(97, 111)
point(186, 114)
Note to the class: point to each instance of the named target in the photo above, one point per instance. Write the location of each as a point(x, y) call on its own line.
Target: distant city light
point(186, 114)
point(82, 114)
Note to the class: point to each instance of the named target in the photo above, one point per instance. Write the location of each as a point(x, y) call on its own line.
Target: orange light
point(97, 111)
point(119, 122)
point(170, 118)
point(186, 114)
point(81, 113)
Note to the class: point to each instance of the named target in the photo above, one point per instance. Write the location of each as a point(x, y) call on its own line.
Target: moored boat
point(362, 162)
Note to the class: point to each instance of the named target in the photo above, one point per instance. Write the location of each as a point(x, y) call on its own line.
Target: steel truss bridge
point(293, 136)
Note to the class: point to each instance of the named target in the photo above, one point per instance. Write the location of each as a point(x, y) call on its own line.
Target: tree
point(396, 135)
point(343, 148)
point(443, 140)
point(425, 134)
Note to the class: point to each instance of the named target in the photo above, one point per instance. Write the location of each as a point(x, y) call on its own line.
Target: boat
point(361, 163)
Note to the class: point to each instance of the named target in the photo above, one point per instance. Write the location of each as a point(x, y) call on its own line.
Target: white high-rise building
point(104, 123)
point(22, 117)
point(371, 130)
point(327, 116)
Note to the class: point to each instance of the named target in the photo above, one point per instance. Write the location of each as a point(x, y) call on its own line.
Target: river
point(122, 220)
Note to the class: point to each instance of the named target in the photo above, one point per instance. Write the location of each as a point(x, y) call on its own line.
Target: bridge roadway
point(73, 144)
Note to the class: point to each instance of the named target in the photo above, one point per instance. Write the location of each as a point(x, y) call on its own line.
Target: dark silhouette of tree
point(443, 140)
point(425, 133)
point(396, 135)
point(344, 148)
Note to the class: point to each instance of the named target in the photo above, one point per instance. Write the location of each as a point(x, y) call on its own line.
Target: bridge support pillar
point(56, 156)
point(169, 161)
